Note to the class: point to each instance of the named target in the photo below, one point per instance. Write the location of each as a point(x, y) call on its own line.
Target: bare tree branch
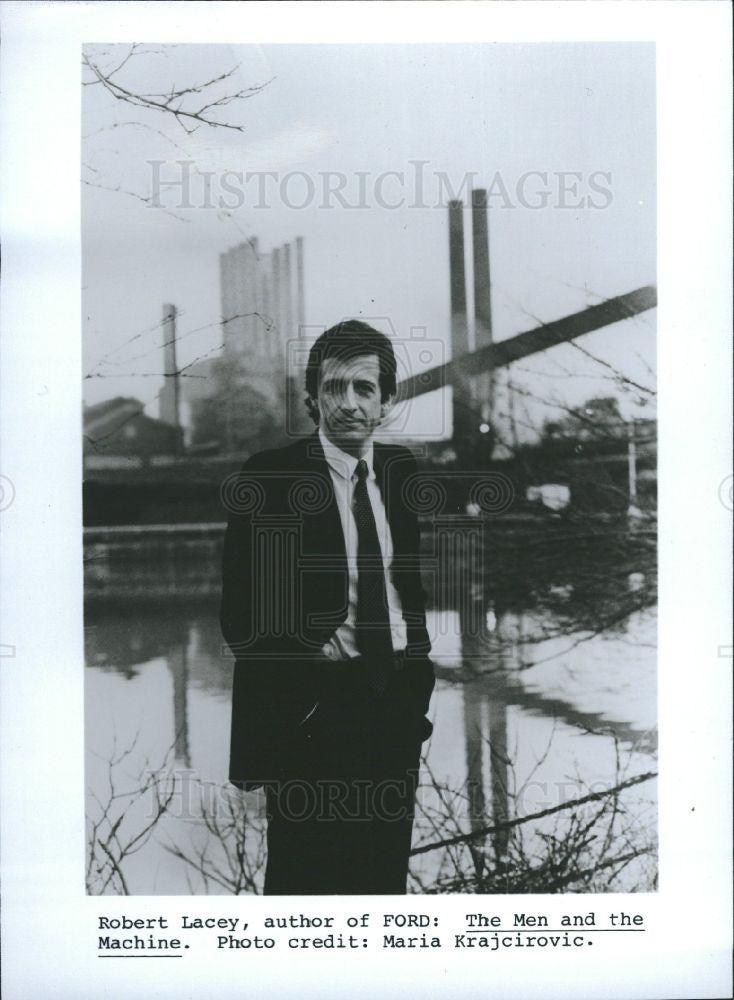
point(574, 803)
point(176, 102)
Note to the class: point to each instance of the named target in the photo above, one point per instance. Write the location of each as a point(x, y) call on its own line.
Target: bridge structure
point(522, 345)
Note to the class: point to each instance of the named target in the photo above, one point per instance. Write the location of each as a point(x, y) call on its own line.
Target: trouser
point(340, 817)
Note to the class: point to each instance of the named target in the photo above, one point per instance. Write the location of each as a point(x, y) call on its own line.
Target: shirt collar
point(340, 462)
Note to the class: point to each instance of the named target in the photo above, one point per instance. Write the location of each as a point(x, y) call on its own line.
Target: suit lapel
point(323, 533)
point(390, 484)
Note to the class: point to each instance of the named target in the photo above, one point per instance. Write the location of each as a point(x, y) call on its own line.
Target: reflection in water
point(177, 661)
point(521, 704)
point(485, 721)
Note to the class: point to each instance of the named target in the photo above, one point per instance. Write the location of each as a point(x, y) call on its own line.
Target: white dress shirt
point(343, 644)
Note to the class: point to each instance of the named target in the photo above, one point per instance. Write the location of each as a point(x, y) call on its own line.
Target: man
point(323, 608)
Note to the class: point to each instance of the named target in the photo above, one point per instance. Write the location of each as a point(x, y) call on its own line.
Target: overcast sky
point(514, 116)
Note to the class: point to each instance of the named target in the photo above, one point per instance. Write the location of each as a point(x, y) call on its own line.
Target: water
point(538, 709)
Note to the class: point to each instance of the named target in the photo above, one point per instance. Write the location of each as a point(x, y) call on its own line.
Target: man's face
point(349, 400)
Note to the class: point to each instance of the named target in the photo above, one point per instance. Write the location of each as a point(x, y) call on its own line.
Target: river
point(542, 704)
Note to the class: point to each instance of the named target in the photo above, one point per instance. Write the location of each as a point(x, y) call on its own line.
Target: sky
point(562, 135)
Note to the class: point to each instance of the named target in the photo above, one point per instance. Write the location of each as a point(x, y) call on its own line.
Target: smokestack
point(480, 240)
point(459, 332)
point(257, 335)
point(482, 301)
point(248, 302)
point(168, 403)
point(461, 390)
point(228, 300)
point(240, 326)
point(301, 306)
point(266, 318)
point(277, 305)
point(287, 296)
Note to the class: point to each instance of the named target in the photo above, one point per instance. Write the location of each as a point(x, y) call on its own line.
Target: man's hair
point(347, 340)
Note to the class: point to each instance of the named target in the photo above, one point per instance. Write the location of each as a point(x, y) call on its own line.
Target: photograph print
point(370, 468)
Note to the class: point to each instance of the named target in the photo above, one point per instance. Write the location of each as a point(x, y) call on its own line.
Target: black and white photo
point(365, 499)
point(489, 212)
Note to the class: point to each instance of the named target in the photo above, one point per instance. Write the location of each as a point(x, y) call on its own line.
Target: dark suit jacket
point(285, 592)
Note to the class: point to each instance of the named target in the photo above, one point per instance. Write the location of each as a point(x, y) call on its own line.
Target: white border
point(47, 922)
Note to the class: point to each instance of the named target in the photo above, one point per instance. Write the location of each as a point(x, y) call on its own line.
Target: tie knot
point(362, 470)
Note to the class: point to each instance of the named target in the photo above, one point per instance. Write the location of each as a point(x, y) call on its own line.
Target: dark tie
point(374, 638)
